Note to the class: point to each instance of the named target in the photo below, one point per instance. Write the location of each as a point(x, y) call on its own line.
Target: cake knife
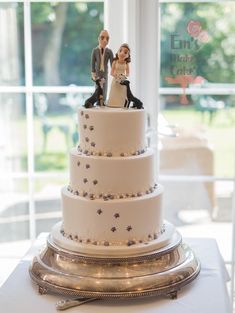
point(69, 303)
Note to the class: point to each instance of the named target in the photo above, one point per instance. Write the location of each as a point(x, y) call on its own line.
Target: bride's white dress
point(117, 95)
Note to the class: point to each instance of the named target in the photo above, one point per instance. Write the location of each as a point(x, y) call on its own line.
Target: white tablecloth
point(207, 294)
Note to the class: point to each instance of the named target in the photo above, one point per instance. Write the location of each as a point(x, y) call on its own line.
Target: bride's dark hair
point(128, 59)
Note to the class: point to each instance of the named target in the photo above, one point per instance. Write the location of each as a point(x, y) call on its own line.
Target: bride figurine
point(119, 71)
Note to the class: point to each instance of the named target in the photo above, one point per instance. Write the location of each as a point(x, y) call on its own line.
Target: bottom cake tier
point(114, 250)
point(116, 222)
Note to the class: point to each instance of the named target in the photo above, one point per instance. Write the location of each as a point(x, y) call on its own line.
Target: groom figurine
point(100, 57)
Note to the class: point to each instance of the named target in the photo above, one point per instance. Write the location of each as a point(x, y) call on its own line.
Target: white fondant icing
point(112, 205)
point(138, 218)
point(111, 131)
point(116, 176)
point(115, 251)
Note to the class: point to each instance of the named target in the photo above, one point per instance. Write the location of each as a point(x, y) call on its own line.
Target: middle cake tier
point(115, 177)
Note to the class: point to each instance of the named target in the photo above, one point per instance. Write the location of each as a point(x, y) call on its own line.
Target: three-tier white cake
point(112, 205)
point(112, 241)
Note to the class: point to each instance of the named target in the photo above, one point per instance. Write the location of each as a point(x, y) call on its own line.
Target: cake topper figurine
point(130, 98)
point(97, 96)
point(120, 93)
point(100, 57)
point(120, 70)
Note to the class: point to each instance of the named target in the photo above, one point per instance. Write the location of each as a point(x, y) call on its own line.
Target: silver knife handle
point(69, 303)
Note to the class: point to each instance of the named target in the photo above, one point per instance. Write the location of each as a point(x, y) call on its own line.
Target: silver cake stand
point(161, 272)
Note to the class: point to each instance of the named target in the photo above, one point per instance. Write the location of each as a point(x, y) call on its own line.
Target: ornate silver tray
point(161, 272)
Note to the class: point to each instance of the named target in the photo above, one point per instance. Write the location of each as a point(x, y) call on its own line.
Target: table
point(206, 294)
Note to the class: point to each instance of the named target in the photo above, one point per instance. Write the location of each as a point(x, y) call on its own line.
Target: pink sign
point(184, 47)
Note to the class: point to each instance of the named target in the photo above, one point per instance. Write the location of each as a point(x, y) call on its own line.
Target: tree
point(63, 36)
point(51, 59)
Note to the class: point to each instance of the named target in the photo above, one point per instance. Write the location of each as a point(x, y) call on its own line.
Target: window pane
point(198, 126)
point(176, 199)
point(63, 35)
point(188, 206)
point(11, 44)
point(196, 54)
point(48, 202)
point(14, 217)
point(55, 129)
point(13, 134)
point(14, 210)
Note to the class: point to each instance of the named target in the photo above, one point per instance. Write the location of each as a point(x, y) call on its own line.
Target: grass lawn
point(220, 134)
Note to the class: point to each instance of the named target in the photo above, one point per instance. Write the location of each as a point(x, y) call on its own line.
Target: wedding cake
point(112, 205)
point(112, 241)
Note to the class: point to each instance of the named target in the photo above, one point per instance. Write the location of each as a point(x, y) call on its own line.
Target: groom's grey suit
point(96, 66)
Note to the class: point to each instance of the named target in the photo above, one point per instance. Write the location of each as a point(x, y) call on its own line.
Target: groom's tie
point(102, 60)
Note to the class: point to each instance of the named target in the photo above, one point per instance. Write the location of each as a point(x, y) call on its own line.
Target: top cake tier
point(111, 131)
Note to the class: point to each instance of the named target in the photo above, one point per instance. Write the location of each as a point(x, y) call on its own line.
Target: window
point(45, 76)
point(197, 88)
point(197, 97)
